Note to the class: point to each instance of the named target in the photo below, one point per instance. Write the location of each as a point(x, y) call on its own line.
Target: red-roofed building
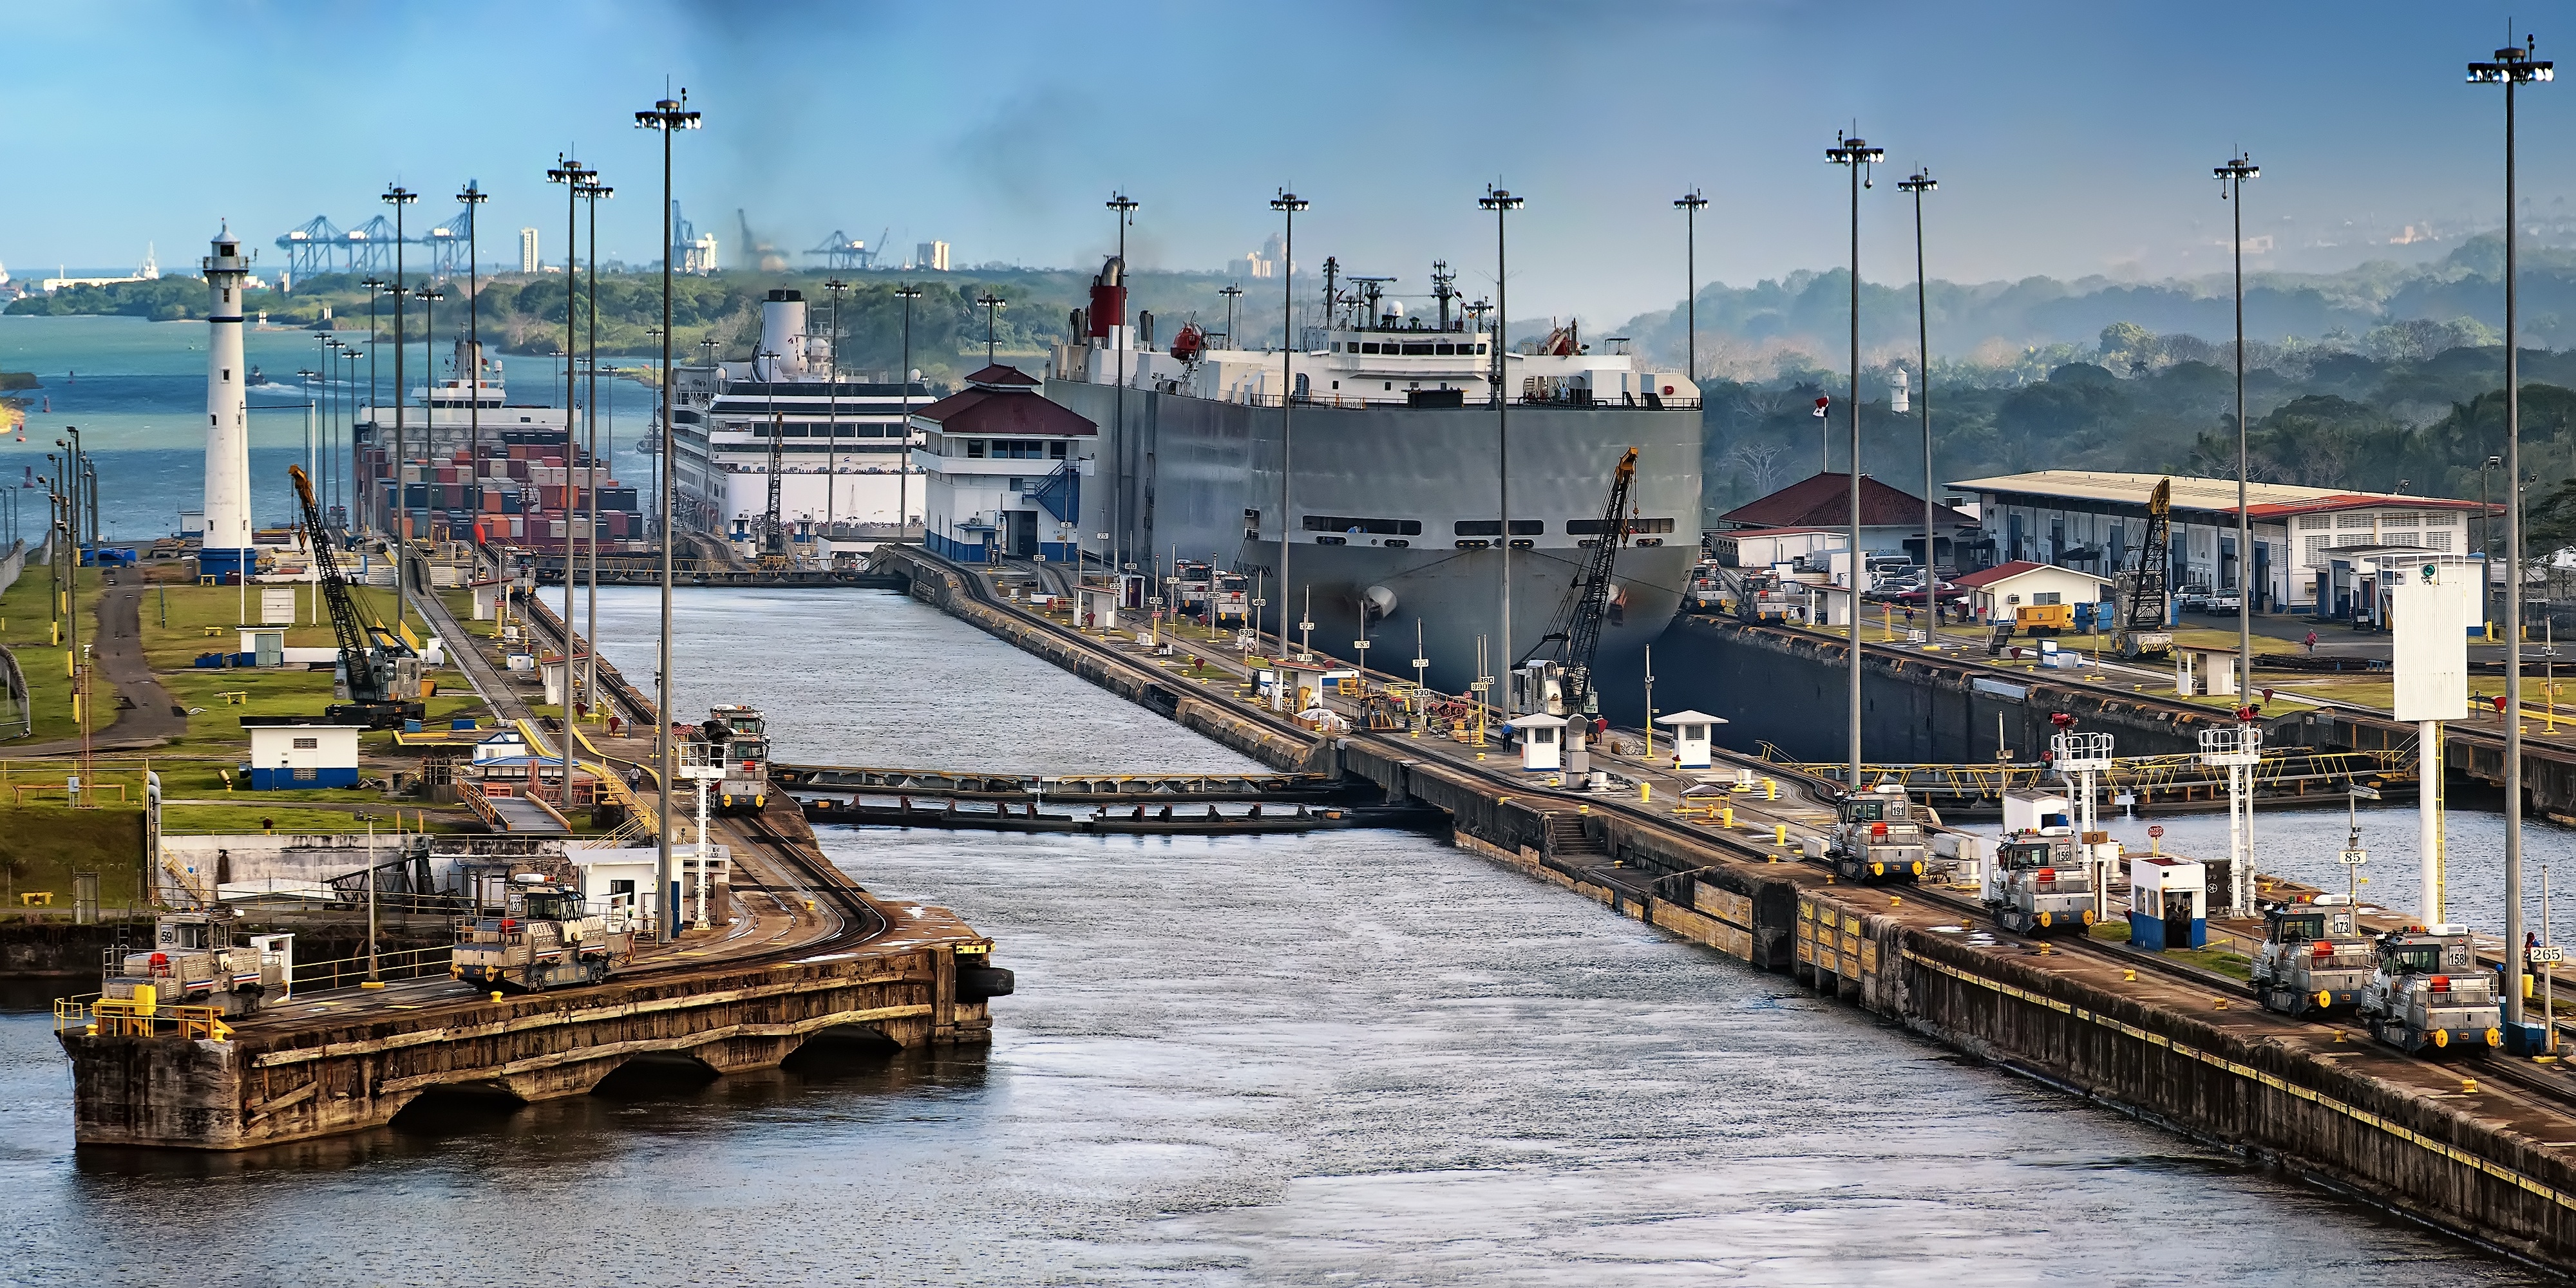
point(1002, 468)
point(1891, 519)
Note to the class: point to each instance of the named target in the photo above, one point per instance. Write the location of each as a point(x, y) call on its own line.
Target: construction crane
point(1576, 630)
point(378, 664)
point(2143, 632)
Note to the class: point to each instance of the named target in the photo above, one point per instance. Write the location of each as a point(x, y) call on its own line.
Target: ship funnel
point(1109, 299)
point(782, 333)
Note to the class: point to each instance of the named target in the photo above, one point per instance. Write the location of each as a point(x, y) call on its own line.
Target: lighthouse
point(227, 551)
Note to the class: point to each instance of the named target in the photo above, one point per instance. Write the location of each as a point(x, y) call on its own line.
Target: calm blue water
point(137, 391)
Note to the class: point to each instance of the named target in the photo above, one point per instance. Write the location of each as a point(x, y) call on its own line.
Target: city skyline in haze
point(2067, 143)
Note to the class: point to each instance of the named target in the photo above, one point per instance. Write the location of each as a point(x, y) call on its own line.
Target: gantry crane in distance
point(380, 668)
point(2143, 632)
point(1576, 631)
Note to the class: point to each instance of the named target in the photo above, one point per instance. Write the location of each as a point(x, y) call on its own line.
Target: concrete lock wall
point(2266, 1096)
point(268, 1086)
point(1789, 689)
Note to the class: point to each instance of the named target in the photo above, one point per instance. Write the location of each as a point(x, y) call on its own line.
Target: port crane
point(841, 251)
point(379, 666)
point(1576, 631)
point(2143, 632)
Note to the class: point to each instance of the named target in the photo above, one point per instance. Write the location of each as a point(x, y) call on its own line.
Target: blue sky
point(2069, 139)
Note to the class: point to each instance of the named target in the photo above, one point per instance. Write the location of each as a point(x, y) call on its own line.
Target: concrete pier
point(806, 956)
point(2484, 1148)
point(306, 1074)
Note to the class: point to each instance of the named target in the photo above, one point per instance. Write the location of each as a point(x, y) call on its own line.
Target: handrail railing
point(98, 1016)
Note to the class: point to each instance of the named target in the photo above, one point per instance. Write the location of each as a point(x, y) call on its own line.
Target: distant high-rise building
point(931, 256)
point(698, 256)
point(528, 261)
point(1261, 263)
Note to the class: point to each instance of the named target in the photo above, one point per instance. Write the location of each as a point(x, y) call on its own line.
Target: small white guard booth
point(1690, 737)
point(1542, 743)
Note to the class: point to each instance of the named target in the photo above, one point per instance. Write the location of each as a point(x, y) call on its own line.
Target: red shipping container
point(491, 502)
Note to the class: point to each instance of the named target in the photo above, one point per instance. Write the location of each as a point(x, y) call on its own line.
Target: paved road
point(119, 656)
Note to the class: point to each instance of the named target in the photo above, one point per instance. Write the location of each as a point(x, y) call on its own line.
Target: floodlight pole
point(1124, 207)
point(1859, 157)
point(1502, 203)
point(669, 116)
point(903, 468)
point(2512, 68)
point(398, 196)
point(993, 303)
point(2231, 188)
point(473, 196)
point(832, 418)
point(1918, 183)
point(1690, 204)
point(590, 193)
point(1230, 291)
point(1287, 204)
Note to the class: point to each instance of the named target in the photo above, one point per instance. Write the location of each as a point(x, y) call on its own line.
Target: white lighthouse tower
point(227, 551)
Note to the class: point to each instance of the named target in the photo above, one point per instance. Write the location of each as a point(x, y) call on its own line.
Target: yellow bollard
point(2129, 975)
point(1645, 791)
point(1779, 834)
point(496, 995)
point(1726, 817)
point(1895, 899)
point(1770, 789)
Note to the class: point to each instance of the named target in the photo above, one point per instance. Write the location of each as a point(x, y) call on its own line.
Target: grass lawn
point(27, 626)
point(40, 849)
point(460, 605)
point(259, 815)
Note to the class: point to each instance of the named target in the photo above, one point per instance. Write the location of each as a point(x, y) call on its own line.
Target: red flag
point(1821, 404)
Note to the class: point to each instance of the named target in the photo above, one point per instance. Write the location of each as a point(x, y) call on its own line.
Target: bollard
point(1770, 789)
point(2468, 1086)
point(1726, 817)
point(2129, 975)
point(2222, 1002)
point(1779, 834)
point(496, 995)
point(1895, 900)
point(1646, 792)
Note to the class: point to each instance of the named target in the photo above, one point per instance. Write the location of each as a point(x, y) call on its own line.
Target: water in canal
point(1343, 1058)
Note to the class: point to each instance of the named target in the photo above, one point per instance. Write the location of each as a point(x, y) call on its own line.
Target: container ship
point(1398, 470)
point(530, 485)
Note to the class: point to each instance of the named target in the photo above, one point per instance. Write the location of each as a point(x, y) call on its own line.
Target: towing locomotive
point(1878, 836)
point(548, 939)
point(2312, 959)
point(2428, 993)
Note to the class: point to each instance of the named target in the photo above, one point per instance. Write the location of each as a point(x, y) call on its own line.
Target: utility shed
point(287, 757)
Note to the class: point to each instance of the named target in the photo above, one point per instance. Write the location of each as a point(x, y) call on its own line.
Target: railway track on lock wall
point(2556, 1090)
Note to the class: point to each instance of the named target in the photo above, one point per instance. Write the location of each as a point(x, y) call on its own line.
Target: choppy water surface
point(1340, 1059)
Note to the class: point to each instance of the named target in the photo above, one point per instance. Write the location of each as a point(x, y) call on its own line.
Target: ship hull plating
point(1195, 467)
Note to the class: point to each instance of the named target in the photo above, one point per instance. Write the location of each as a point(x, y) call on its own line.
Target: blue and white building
point(1002, 468)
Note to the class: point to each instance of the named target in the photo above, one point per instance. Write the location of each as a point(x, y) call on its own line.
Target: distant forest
point(2386, 377)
